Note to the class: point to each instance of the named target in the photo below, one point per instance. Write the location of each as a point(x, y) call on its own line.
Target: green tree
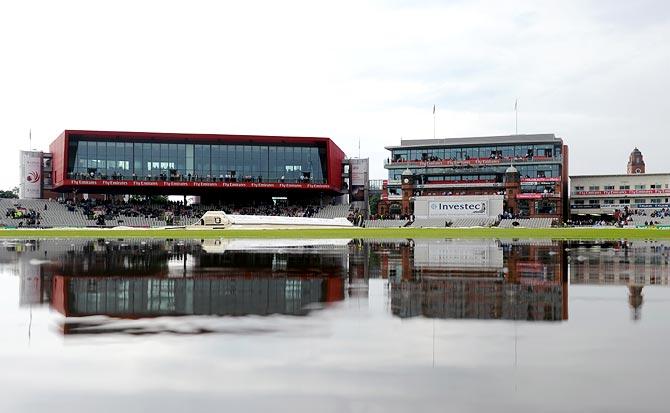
point(10, 194)
point(374, 201)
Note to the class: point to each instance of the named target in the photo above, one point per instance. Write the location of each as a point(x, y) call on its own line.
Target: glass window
point(239, 159)
point(217, 160)
point(272, 163)
point(264, 162)
point(92, 155)
point(181, 159)
point(137, 159)
point(190, 167)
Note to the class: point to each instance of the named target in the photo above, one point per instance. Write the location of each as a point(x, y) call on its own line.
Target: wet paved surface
point(334, 325)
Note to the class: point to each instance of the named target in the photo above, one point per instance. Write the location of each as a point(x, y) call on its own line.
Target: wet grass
point(552, 233)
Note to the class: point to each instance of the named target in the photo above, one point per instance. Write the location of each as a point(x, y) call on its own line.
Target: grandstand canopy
point(196, 164)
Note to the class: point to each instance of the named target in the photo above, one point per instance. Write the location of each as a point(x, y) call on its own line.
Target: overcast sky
point(593, 72)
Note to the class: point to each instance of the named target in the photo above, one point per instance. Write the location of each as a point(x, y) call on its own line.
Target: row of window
point(621, 187)
point(126, 159)
point(526, 171)
point(459, 154)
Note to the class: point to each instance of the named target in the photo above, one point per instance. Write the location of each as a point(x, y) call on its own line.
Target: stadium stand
point(386, 223)
point(527, 223)
point(333, 211)
point(46, 213)
point(453, 222)
point(639, 220)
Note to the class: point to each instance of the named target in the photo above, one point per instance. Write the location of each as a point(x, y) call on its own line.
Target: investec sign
point(436, 208)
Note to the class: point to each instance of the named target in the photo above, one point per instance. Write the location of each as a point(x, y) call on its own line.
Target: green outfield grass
point(553, 233)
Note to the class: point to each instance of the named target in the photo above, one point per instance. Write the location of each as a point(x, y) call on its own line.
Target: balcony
point(391, 164)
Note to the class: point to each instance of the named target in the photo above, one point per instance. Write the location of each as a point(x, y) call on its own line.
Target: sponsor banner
point(536, 196)
point(441, 208)
point(651, 205)
point(461, 184)
point(30, 186)
point(170, 184)
point(586, 206)
point(359, 172)
point(620, 206)
point(624, 192)
point(540, 180)
point(478, 161)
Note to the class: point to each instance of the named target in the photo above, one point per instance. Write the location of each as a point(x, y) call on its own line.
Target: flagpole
point(516, 117)
point(433, 121)
point(30, 139)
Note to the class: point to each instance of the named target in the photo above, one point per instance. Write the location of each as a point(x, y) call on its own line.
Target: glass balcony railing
point(471, 161)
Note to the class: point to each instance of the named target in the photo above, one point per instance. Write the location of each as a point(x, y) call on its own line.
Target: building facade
point(603, 195)
point(530, 171)
point(194, 164)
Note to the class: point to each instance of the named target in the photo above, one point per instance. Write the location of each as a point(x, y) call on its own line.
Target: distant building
point(635, 163)
point(602, 195)
point(530, 171)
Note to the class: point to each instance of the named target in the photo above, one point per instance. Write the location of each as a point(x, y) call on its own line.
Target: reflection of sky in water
point(351, 354)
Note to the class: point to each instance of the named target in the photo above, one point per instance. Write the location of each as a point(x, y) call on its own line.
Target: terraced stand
point(386, 223)
point(527, 223)
point(455, 222)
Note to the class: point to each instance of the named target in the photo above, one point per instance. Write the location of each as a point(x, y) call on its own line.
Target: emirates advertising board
point(460, 208)
point(30, 186)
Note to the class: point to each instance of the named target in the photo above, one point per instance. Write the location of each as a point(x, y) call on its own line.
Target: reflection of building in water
point(136, 297)
point(634, 264)
point(149, 278)
point(482, 279)
point(620, 263)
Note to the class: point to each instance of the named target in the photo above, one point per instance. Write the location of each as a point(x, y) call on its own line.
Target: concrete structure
point(213, 166)
point(636, 163)
point(603, 195)
point(536, 185)
point(35, 174)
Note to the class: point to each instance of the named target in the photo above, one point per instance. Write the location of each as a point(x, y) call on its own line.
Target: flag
point(515, 104)
point(433, 109)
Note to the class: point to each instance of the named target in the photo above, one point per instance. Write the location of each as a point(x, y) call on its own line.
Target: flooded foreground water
point(334, 325)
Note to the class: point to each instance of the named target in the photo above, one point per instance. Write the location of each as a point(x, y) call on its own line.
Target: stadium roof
point(623, 175)
point(481, 140)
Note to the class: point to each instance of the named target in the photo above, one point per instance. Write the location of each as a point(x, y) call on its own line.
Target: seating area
point(386, 223)
point(333, 211)
point(55, 215)
point(527, 223)
point(639, 220)
point(47, 213)
point(454, 222)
